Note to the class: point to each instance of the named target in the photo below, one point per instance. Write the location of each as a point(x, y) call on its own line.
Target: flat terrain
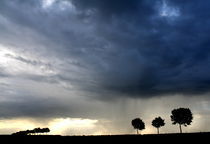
point(162, 138)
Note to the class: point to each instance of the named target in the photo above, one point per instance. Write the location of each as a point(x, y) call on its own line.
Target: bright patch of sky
point(78, 125)
point(47, 3)
point(59, 5)
point(168, 11)
point(62, 126)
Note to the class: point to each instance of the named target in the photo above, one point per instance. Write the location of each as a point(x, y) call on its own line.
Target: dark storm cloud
point(117, 7)
point(127, 47)
point(161, 55)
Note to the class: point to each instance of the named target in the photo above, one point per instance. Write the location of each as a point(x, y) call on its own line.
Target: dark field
point(161, 138)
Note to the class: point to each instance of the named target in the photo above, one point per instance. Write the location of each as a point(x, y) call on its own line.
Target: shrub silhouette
point(138, 124)
point(158, 122)
point(181, 116)
point(34, 131)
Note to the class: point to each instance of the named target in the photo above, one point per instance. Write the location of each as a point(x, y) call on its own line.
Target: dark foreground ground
point(161, 138)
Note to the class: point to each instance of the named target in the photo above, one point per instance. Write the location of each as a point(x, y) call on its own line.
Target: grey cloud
point(3, 73)
point(27, 61)
point(30, 107)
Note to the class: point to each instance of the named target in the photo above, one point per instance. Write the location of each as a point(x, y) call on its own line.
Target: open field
point(167, 138)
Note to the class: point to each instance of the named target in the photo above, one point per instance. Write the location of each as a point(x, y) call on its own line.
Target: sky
point(88, 67)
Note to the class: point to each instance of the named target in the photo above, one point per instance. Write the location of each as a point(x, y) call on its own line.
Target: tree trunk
point(158, 130)
point(180, 128)
point(137, 131)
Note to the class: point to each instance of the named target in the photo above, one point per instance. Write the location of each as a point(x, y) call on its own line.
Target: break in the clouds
point(69, 58)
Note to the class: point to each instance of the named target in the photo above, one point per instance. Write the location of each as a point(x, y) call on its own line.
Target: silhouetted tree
point(158, 122)
point(181, 116)
point(138, 124)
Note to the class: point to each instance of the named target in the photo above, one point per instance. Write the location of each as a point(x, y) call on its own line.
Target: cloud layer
point(138, 48)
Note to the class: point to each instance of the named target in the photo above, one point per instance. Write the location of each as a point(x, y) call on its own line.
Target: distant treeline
point(33, 132)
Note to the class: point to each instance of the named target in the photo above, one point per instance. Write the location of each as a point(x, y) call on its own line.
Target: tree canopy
point(181, 116)
point(138, 124)
point(158, 122)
